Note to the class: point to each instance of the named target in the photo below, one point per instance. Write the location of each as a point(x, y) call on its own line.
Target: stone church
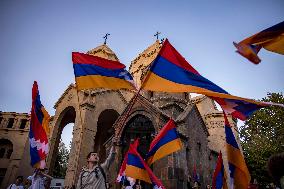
point(99, 115)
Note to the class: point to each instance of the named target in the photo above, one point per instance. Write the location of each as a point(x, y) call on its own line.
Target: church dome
point(103, 51)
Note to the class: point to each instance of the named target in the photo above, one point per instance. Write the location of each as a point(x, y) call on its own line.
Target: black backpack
point(104, 175)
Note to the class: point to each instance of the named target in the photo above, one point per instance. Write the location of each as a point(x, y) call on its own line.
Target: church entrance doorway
point(140, 127)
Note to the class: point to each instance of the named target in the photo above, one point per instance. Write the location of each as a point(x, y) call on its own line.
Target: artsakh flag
point(219, 176)
point(95, 72)
point(165, 143)
point(39, 130)
point(137, 168)
point(239, 174)
point(170, 72)
point(272, 39)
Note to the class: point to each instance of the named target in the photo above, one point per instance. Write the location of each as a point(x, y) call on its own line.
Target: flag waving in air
point(95, 72)
point(137, 168)
point(219, 176)
point(239, 174)
point(165, 143)
point(170, 72)
point(39, 130)
point(272, 39)
point(122, 178)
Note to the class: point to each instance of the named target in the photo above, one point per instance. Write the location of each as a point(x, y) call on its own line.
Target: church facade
point(101, 115)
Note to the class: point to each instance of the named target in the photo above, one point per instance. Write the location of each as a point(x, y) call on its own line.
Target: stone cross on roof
point(157, 35)
point(105, 37)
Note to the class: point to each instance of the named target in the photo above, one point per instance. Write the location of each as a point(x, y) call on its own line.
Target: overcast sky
point(37, 38)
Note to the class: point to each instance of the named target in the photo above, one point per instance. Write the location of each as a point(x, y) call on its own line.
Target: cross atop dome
point(105, 37)
point(157, 35)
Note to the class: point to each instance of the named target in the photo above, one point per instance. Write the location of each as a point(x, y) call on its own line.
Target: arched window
point(23, 124)
point(6, 148)
point(10, 123)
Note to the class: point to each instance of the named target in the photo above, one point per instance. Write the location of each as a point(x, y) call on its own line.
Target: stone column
point(84, 133)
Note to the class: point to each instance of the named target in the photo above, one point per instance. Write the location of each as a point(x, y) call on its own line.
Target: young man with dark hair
point(93, 176)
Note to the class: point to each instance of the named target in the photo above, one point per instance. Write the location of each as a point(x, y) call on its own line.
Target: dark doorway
point(140, 127)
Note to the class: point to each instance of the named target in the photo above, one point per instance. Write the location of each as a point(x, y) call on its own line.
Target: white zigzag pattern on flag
point(39, 145)
point(125, 75)
point(127, 78)
point(157, 187)
point(119, 177)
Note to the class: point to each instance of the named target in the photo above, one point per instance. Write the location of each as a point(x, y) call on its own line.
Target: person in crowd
point(196, 185)
point(28, 183)
point(40, 179)
point(18, 184)
point(93, 176)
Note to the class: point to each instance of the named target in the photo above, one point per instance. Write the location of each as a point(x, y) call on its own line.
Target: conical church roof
point(103, 51)
point(138, 66)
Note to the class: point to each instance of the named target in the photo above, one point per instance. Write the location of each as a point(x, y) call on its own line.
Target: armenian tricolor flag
point(170, 72)
point(272, 39)
point(39, 130)
point(219, 176)
point(137, 168)
point(165, 143)
point(95, 72)
point(239, 174)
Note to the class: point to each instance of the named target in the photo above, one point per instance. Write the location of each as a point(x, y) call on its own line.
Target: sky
point(37, 38)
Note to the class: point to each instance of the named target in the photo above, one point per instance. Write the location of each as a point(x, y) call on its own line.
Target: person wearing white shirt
point(18, 184)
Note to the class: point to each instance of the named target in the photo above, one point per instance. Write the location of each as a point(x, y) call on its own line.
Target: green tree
point(262, 136)
point(61, 162)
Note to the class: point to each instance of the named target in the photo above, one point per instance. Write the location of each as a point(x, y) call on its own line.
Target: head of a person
point(196, 184)
point(93, 157)
point(19, 180)
point(45, 170)
point(29, 181)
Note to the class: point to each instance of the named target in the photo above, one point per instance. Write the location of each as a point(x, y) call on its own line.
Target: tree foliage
point(262, 136)
point(61, 162)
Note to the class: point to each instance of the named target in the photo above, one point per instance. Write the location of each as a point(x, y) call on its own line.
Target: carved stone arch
point(66, 116)
point(134, 113)
point(105, 131)
point(138, 125)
